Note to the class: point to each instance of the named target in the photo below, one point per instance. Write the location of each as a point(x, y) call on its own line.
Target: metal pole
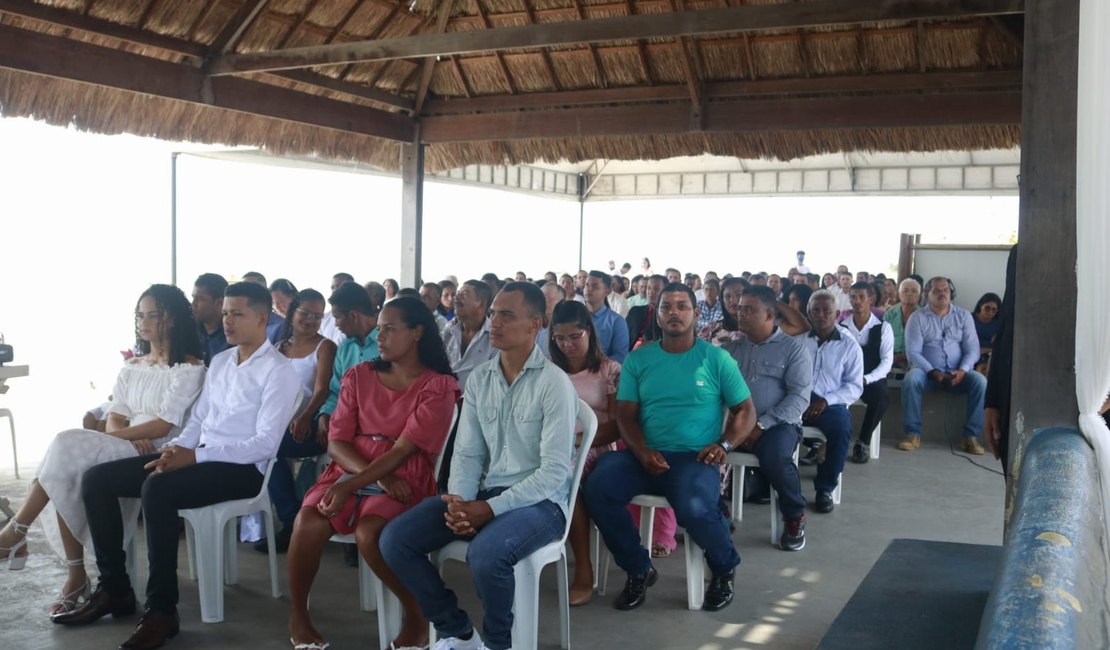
point(173, 218)
point(581, 215)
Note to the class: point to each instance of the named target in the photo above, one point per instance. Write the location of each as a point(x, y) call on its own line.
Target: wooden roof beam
point(742, 19)
point(296, 27)
point(691, 69)
point(598, 68)
point(233, 31)
point(649, 77)
point(547, 64)
point(62, 58)
point(872, 83)
point(500, 58)
point(890, 111)
point(443, 13)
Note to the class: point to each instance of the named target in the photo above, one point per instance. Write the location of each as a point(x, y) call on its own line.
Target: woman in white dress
point(153, 393)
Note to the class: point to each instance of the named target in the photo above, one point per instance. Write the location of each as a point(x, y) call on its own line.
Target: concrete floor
point(784, 600)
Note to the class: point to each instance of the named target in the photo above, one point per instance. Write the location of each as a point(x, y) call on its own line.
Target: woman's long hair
point(182, 339)
point(728, 321)
point(989, 297)
point(572, 312)
point(301, 297)
point(430, 346)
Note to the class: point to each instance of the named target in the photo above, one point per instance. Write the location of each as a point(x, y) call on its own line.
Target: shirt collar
point(262, 350)
point(535, 360)
point(835, 336)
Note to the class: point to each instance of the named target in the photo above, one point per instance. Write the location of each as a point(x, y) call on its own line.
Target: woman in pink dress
point(388, 427)
point(575, 349)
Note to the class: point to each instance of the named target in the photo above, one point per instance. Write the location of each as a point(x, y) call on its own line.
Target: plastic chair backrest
point(587, 419)
point(447, 439)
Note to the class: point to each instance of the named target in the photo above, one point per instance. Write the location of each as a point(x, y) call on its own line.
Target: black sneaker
point(635, 590)
point(283, 536)
point(719, 593)
point(812, 457)
point(860, 454)
point(794, 537)
point(824, 503)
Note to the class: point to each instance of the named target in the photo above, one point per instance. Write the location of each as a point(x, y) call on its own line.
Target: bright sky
point(85, 228)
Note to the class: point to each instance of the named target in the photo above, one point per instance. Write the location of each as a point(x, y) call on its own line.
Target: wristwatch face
point(725, 445)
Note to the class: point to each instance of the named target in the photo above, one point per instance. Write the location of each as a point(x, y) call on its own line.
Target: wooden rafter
point(296, 27)
point(457, 67)
point(500, 57)
point(689, 61)
point(63, 58)
point(203, 15)
point(861, 51)
point(376, 32)
point(147, 12)
point(920, 41)
point(798, 113)
point(547, 64)
point(641, 48)
point(598, 68)
point(873, 83)
point(342, 24)
point(691, 23)
point(443, 14)
point(230, 35)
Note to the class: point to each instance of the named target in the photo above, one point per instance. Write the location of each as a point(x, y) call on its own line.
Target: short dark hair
point(605, 278)
point(255, 275)
point(811, 277)
point(559, 288)
point(573, 312)
point(376, 291)
point(863, 286)
point(346, 277)
point(410, 292)
point(713, 282)
point(258, 297)
point(802, 291)
point(213, 284)
point(481, 290)
point(434, 287)
point(490, 277)
point(671, 268)
point(661, 278)
point(763, 294)
point(443, 284)
point(988, 297)
point(351, 296)
point(678, 287)
point(533, 297)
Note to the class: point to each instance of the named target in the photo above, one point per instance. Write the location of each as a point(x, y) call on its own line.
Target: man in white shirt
point(466, 339)
point(249, 396)
point(876, 340)
point(431, 294)
point(837, 382)
point(841, 290)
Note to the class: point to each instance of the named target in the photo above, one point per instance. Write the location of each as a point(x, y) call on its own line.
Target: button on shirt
point(478, 352)
point(519, 436)
point(778, 372)
point(837, 367)
point(612, 333)
point(944, 343)
point(243, 409)
point(350, 353)
point(886, 345)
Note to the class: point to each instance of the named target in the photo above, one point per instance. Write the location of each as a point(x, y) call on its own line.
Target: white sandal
point(16, 562)
point(69, 602)
point(310, 646)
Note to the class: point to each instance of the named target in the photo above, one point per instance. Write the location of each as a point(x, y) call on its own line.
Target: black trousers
point(877, 399)
point(163, 495)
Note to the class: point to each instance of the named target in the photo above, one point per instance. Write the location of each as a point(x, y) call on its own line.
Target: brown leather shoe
point(99, 605)
point(152, 631)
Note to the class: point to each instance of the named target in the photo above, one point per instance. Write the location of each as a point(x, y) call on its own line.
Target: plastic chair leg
point(647, 525)
point(777, 524)
point(368, 587)
point(231, 551)
point(191, 550)
point(876, 435)
point(738, 493)
point(564, 602)
point(839, 487)
point(133, 563)
point(389, 610)
point(211, 537)
point(526, 605)
point(695, 574)
point(275, 590)
point(5, 413)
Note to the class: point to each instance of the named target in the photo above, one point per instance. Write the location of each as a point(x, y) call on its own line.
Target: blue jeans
point(282, 487)
point(917, 381)
point(508, 537)
point(691, 487)
point(775, 451)
point(836, 423)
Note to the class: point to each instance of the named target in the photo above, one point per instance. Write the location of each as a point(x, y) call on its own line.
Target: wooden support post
point(412, 212)
point(905, 255)
point(1043, 392)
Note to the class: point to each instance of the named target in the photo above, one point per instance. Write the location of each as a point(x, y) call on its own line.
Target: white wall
point(974, 271)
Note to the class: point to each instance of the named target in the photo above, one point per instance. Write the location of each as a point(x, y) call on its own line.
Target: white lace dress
point(143, 393)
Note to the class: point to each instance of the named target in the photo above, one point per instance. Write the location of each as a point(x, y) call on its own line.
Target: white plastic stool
point(876, 435)
point(740, 460)
point(813, 433)
point(5, 413)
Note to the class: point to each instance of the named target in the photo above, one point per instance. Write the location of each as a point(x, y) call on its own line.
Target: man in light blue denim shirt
point(942, 347)
point(509, 483)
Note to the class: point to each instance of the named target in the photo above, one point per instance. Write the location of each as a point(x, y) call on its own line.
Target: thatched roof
point(776, 92)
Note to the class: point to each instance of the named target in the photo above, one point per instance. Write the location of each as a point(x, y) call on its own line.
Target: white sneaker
point(455, 643)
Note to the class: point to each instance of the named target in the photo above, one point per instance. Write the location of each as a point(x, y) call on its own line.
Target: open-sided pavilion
point(435, 85)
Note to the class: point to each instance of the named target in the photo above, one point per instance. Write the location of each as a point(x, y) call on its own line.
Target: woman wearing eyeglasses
point(153, 392)
point(312, 356)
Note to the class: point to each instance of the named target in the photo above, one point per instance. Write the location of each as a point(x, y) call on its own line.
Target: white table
point(6, 373)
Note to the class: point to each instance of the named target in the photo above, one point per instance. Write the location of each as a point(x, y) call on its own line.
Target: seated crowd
point(679, 370)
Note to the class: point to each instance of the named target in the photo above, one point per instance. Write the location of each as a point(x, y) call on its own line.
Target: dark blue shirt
point(211, 344)
point(274, 327)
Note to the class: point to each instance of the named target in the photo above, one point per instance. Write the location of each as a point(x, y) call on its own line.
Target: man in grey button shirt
point(779, 373)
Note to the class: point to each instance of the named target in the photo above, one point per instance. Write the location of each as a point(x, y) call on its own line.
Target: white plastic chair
point(876, 435)
point(813, 433)
point(216, 555)
point(740, 460)
point(5, 413)
point(526, 573)
point(372, 594)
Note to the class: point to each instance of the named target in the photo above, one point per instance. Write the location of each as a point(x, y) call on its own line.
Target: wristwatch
point(725, 444)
